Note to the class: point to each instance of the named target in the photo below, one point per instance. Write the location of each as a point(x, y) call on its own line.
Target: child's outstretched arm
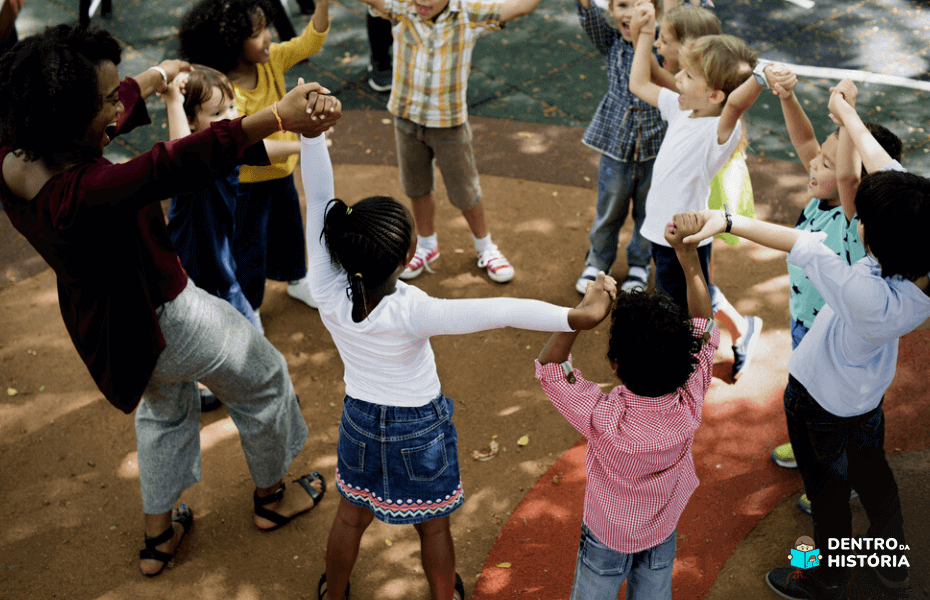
point(597, 302)
point(517, 8)
point(712, 222)
point(643, 27)
point(320, 17)
point(686, 224)
point(873, 156)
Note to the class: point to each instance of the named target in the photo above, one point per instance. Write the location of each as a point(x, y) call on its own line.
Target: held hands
point(175, 67)
point(644, 19)
point(594, 308)
point(782, 80)
point(308, 109)
point(842, 99)
point(174, 91)
point(688, 229)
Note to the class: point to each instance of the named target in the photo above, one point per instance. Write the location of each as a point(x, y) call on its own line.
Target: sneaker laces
point(492, 259)
point(420, 259)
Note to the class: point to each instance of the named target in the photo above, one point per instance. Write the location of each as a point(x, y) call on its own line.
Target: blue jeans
point(836, 454)
point(600, 571)
point(670, 278)
point(618, 183)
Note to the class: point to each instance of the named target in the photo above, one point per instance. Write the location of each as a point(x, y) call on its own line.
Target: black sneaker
point(380, 79)
point(798, 584)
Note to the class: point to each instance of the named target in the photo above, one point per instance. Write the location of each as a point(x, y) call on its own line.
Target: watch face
point(760, 79)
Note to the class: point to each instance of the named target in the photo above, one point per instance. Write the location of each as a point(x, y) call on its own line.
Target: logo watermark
point(870, 548)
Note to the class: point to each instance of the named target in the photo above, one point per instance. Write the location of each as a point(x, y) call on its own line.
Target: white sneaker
point(589, 274)
point(300, 290)
point(497, 265)
point(421, 260)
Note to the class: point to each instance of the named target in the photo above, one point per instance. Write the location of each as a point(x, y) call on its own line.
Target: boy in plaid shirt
point(627, 132)
point(639, 466)
point(433, 42)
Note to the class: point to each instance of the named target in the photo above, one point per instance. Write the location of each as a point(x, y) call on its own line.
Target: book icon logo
point(804, 555)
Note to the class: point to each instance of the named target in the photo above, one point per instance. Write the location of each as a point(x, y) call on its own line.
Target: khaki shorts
point(418, 146)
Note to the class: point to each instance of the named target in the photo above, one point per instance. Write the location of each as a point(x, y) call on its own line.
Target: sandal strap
point(262, 501)
point(306, 480)
point(153, 554)
point(163, 537)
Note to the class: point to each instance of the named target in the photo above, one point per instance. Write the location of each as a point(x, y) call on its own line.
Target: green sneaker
point(784, 456)
point(804, 503)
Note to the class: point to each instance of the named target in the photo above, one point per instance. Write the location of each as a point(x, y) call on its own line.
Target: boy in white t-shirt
point(716, 85)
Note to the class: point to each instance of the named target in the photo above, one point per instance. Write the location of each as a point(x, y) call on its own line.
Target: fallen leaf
point(525, 134)
point(523, 441)
point(11, 392)
point(486, 453)
point(386, 121)
point(389, 543)
point(333, 404)
point(503, 565)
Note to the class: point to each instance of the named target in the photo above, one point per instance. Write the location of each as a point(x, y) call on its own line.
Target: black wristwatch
point(729, 217)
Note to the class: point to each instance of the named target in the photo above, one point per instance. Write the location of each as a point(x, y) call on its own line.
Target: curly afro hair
point(652, 343)
point(49, 91)
point(213, 31)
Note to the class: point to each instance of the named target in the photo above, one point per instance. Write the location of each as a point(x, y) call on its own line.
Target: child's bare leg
point(475, 219)
point(731, 320)
point(438, 556)
point(424, 215)
point(342, 548)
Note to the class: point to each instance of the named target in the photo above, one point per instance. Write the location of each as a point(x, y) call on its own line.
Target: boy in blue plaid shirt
point(627, 132)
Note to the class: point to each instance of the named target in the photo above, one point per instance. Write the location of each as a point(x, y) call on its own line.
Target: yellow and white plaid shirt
point(432, 60)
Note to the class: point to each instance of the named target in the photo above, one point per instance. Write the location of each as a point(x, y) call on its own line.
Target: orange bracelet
point(274, 111)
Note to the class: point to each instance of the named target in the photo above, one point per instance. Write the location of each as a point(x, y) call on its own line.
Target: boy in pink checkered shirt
point(639, 466)
point(433, 42)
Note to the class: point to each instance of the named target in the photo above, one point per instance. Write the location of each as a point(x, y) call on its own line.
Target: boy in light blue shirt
point(840, 371)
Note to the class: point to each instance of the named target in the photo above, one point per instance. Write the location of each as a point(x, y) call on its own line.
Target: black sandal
point(459, 587)
point(184, 516)
point(320, 591)
point(280, 520)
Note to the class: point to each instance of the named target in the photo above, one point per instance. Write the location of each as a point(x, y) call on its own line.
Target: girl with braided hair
point(397, 451)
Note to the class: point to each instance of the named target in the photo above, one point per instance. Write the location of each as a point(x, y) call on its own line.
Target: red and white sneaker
point(421, 260)
point(497, 265)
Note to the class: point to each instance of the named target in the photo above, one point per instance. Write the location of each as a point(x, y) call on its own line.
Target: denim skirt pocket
point(428, 461)
point(351, 451)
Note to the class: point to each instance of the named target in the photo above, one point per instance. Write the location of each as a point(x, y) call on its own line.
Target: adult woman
point(143, 330)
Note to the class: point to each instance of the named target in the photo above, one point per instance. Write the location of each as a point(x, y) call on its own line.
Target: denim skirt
point(401, 463)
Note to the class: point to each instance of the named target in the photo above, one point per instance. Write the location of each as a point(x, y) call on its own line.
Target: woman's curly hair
point(368, 240)
point(652, 343)
point(213, 31)
point(49, 92)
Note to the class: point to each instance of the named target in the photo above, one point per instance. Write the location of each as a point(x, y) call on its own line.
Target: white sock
point(428, 243)
point(639, 273)
point(483, 244)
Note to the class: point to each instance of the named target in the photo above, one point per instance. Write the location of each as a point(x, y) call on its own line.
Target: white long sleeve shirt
point(388, 358)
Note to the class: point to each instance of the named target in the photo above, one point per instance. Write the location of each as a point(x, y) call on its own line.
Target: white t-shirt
point(687, 162)
point(388, 358)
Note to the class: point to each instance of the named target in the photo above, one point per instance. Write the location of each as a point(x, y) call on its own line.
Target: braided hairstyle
point(368, 240)
point(48, 91)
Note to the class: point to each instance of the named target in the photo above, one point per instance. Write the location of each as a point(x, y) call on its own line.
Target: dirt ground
point(70, 500)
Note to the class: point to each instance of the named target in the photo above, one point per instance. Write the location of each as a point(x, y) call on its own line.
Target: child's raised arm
point(686, 224)
point(800, 131)
point(739, 102)
point(873, 156)
point(517, 8)
point(643, 27)
point(178, 125)
point(593, 309)
point(848, 165)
